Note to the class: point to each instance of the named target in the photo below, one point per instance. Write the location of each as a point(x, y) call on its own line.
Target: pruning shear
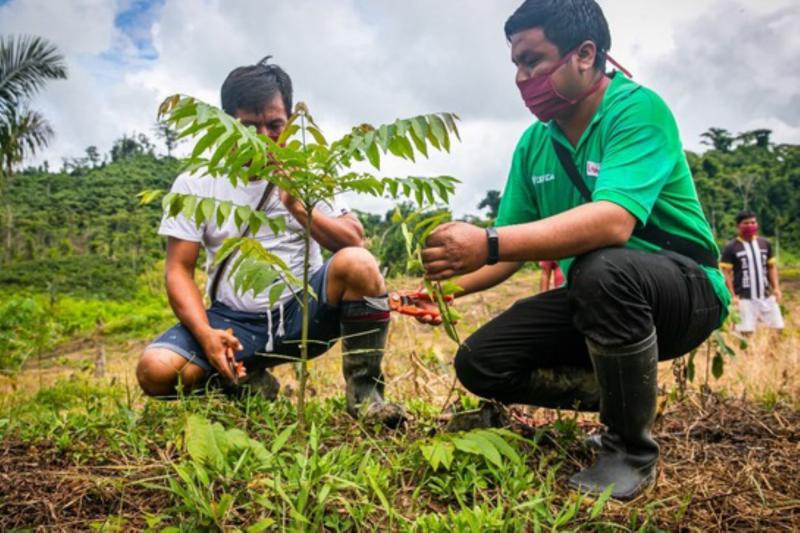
point(405, 303)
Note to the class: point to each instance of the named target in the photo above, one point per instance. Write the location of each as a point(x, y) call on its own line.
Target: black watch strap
point(494, 246)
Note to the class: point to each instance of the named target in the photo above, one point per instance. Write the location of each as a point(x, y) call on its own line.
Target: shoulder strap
point(262, 202)
point(568, 164)
point(650, 232)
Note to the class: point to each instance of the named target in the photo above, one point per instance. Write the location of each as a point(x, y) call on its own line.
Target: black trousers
point(615, 297)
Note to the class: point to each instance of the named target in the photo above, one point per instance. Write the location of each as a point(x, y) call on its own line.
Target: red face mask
point(542, 98)
point(749, 231)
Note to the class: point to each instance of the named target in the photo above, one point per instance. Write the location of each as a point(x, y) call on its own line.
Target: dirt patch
point(42, 490)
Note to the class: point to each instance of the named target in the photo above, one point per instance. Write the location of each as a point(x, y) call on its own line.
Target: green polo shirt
point(631, 155)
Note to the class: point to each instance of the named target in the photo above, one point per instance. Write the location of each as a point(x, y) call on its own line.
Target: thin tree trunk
point(301, 394)
point(9, 240)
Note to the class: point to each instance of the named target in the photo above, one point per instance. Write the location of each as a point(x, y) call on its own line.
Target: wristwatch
point(494, 246)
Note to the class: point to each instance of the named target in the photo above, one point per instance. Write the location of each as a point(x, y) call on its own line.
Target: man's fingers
point(436, 238)
point(231, 340)
point(223, 366)
point(442, 275)
point(433, 254)
point(437, 266)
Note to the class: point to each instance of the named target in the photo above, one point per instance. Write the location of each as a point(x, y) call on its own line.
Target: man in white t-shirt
point(351, 301)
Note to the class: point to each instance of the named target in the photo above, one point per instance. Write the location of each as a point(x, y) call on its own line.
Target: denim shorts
point(267, 341)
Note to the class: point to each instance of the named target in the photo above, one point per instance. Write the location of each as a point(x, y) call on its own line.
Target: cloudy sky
point(726, 63)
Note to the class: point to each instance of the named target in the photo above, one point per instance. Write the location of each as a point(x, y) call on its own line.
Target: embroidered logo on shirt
point(592, 168)
point(537, 180)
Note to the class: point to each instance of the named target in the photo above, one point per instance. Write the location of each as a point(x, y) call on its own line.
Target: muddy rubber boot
point(594, 442)
point(627, 377)
point(489, 414)
point(261, 382)
point(564, 388)
point(364, 325)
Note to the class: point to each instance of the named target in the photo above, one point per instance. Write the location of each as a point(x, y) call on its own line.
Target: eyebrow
point(526, 56)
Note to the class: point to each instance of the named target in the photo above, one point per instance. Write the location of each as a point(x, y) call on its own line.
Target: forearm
point(186, 301)
point(571, 233)
point(332, 233)
point(486, 277)
point(729, 280)
point(772, 275)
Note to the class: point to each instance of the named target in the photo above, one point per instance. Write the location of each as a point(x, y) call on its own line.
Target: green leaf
point(440, 132)
point(241, 214)
point(450, 120)
point(189, 203)
point(419, 142)
point(207, 208)
point(397, 216)
point(717, 365)
point(275, 292)
point(223, 212)
point(373, 155)
point(201, 442)
point(223, 149)
point(438, 453)
point(282, 438)
point(147, 196)
point(262, 525)
point(207, 140)
point(419, 127)
point(486, 448)
point(600, 502)
point(383, 136)
point(318, 137)
point(502, 446)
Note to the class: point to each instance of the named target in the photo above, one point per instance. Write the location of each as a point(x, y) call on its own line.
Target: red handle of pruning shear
point(405, 302)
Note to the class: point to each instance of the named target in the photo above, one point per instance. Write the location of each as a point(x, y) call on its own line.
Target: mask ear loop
point(623, 69)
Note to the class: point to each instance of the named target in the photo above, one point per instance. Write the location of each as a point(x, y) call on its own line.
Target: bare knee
point(159, 369)
point(356, 270)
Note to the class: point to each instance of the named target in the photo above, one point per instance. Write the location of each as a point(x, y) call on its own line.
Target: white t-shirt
point(287, 245)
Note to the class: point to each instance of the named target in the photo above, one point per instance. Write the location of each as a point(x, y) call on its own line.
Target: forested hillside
point(82, 230)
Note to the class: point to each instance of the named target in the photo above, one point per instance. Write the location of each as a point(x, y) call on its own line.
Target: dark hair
point(566, 23)
point(744, 215)
point(252, 87)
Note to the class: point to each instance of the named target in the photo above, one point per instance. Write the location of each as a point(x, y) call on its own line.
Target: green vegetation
point(748, 172)
point(236, 465)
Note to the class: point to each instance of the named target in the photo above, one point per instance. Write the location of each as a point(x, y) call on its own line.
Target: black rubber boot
point(364, 326)
point(628, 378)
point(564, 388)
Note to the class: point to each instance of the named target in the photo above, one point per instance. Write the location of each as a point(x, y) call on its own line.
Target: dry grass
point(418, 358)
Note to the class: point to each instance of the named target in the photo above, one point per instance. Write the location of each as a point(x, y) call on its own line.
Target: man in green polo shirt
point(601, 183)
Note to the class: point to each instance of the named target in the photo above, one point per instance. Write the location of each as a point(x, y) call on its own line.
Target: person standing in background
point(550, 269)
point(751, 273)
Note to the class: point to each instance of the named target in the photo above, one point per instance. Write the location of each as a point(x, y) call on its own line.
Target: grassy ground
point(80, 452)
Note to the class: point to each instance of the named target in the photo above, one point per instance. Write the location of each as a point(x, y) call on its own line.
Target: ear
point(587, 52)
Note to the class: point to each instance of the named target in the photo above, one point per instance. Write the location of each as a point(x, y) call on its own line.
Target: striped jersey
point(749, 261)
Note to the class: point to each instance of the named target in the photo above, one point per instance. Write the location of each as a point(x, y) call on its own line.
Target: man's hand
point(454, 249)
point(292, 204)
point(220, 347)
point(776, 292)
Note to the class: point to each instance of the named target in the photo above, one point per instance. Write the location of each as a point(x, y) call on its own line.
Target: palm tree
point(718, 138)
point(26, 63)
point(22, 133)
